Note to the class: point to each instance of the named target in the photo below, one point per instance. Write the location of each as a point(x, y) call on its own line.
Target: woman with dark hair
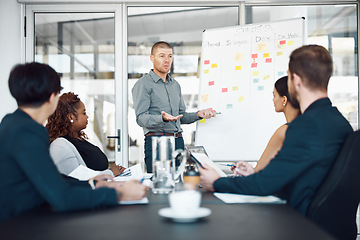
point(291, 110)
point(69, 147)
point(28, 176)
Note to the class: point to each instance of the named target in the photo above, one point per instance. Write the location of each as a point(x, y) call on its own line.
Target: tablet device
point(199, 154)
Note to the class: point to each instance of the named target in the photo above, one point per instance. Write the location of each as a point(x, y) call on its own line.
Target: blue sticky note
point(260, 88)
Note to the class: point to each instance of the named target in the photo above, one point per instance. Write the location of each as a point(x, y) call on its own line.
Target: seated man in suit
point(28, 176)
point(312, 140)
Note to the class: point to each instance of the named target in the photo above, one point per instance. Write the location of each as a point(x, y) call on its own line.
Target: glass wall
point(182, 27)
point(335, 28)
point(332, 26)
point(80, 47)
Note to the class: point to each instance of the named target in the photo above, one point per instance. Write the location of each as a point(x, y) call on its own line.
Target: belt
point(176, 135)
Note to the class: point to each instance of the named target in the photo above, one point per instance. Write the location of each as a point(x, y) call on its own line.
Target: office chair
point(335, 203)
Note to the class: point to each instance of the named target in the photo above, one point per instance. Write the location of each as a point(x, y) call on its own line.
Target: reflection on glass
point(80, 47)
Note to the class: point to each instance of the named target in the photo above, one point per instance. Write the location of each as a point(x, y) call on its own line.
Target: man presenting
point(158, 103)
point(312, 140)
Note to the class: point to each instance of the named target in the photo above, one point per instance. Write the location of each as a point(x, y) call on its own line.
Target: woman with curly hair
point(69, 147)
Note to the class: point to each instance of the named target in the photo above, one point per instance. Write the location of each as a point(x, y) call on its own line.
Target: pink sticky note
point(211, 83)
point(224, 90)
point(254, 65)
point(254, 55)
point(206, 61)
point(282, 42)
point(268, 60)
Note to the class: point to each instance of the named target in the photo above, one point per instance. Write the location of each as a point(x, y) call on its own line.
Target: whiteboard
point(239, 66)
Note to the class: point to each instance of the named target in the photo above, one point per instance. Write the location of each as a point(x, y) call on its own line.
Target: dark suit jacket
point(28, 176)
point(312, 143)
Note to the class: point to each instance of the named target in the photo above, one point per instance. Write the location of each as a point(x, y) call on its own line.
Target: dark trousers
point(179, 144)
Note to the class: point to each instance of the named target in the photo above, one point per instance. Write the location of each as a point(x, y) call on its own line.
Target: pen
point(142, 180)
point(218, 112)
point(226, 164)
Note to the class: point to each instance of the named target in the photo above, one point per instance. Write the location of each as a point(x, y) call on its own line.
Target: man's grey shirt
point(151, 95)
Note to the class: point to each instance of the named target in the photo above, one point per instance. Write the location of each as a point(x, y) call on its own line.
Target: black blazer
point(311, 144)
point(28, 176)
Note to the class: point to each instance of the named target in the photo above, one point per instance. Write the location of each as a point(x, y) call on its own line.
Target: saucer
point(200, 213)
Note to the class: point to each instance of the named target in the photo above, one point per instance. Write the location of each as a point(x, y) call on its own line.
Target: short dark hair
point(313, 64)
point(160, 44)
point(32, 84)
point(281, 87)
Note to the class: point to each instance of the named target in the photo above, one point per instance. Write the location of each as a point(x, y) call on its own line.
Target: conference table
point(227, 221)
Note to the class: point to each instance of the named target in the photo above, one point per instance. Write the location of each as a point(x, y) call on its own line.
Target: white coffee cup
point(185, 203)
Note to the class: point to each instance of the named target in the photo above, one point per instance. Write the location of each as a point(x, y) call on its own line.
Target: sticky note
point(211, 83)
point(266, 77)
point(256, 80)
point(265, 55)
point(255, 73)
point(202, 120)
point(260, 88)
point(241, 99)
point(254, 55)
point(280, 73)
point(205, 98)
point(261, 47)
point(254, 65)
point(206, 71)
point(224, 90)
point(268, 60)
point(206, 61)
point(214, 65)
point(282, 42)
point(237, 67)
point(235, 88)
point(291, 42)
point(238, 56)
point(228, 106)
point(279, 53)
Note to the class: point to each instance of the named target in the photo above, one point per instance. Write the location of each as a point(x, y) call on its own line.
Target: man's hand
point(208, 176)
point(131, 190)
point(168, 117)
point(206, 113)
point(243, 169)
point(103, 177)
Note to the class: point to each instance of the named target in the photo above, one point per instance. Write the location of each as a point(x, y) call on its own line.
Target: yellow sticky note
point(266, 77)
point(235, 88)
point(205, 98)
point(290, 42)
point(265, 55)
point(238, 56)
point(202, 120)
point(256, 73)
point(280, 53)
point(261, 47)
point(214, 65)
point(206, 71)
point(241, 99)
point(237, 67)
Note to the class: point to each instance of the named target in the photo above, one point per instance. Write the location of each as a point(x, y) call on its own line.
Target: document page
point(239, 198)
point(83, 173)
point(144, 200)
point(203, 158)
point(133, 172)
